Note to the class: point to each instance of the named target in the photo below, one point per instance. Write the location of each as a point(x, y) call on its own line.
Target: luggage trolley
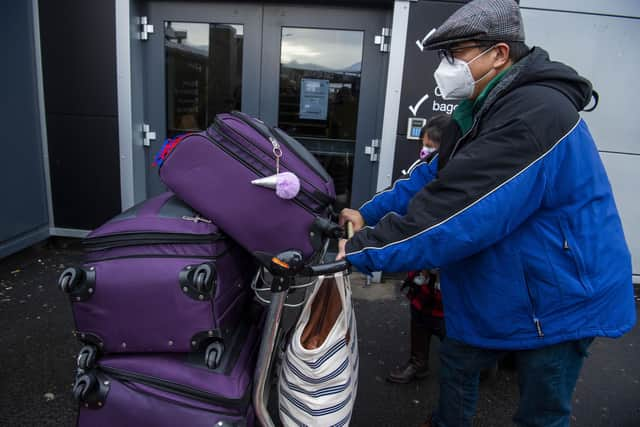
point(285, 268)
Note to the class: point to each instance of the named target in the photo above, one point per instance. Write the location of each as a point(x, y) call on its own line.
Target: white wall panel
point(610, 7)
point(605, 50)
point(624, 174)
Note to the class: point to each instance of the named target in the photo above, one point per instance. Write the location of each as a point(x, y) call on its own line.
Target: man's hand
point(341, 249)
point(353, 216)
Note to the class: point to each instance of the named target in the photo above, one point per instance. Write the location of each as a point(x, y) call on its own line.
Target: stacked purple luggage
point(163, 301)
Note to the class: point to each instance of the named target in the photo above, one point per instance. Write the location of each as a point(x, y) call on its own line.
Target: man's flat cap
point(491, 20)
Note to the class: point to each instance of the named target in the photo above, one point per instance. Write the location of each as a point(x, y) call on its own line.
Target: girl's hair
point(434, 128)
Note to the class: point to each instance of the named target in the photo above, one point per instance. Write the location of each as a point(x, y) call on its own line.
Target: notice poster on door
point(314, 99)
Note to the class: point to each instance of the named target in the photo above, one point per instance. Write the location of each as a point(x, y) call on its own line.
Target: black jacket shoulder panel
point(548, 113)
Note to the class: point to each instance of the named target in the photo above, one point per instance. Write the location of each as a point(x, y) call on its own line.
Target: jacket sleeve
point(492, 185)
point(396, 198)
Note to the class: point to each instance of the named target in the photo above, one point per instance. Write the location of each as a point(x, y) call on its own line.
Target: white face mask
point(455, 80)
point(425, 151)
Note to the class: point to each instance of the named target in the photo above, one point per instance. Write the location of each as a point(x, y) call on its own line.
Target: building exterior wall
point(24, 216)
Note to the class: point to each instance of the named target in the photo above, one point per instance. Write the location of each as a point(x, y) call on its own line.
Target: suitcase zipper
point(179, 389)
point(157, 256)
point(138, 239)
point(250, 121)
point(218, 125)
point(258, 173)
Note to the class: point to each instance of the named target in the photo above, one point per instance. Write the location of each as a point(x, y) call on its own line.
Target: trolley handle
point(326, 269)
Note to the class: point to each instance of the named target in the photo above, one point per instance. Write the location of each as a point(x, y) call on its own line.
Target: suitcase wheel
point(198, 281)
point(213, 354)
point(82, 387)
point(70, 279)
point(87, 357)
point(204, 278)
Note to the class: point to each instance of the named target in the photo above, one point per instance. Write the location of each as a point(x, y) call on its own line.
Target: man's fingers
point(341, 249)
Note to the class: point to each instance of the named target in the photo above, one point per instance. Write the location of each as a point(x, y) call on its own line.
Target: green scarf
point(463, 114)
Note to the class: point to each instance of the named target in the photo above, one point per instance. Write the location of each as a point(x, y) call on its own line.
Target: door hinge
point(147, 135)
point(145, 28)
point(372, 150)
point(382, 39)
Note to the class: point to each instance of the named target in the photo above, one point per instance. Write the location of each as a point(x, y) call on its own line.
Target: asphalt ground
point(38, 350)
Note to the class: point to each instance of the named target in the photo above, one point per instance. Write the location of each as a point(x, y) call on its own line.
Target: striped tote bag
point(319, 376)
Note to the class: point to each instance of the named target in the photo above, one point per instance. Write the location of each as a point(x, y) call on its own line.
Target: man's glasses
point(449, 53)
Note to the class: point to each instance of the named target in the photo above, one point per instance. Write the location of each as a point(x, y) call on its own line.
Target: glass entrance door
point(313, 71)
point(202, 59)
point(330, 88)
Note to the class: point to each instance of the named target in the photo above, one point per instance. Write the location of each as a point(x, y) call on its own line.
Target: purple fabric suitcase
point(220, 163)
point(158, 278)
point(170, 389)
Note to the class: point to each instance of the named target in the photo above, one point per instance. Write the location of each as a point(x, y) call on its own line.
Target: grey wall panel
point(605, 50)
point(624, 174)
point(23, 199)
point(610, 7)
point(83, 170)
point(78, 56)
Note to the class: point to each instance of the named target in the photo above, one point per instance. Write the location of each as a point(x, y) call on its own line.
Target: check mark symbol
point(421, 43)
point(414, 110)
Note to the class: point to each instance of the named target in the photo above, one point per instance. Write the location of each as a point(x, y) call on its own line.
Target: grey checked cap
point(498, 20)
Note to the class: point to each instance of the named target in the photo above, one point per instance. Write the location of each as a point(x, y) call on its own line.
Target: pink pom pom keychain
point(286, 184)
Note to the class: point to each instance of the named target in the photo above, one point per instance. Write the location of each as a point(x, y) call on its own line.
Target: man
point(520, 219)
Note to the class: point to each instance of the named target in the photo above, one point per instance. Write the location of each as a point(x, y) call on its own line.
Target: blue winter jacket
point(520, 219)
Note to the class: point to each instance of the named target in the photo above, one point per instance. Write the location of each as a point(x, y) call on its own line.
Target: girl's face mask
point(425, 151)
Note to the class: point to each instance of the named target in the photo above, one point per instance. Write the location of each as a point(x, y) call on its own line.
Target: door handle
point(372, 150)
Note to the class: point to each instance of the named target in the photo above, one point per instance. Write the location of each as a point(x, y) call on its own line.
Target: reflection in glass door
point(320, 72)
point(203, 73)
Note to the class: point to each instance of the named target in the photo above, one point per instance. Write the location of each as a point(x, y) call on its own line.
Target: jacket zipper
point(262, 175)
point(534, 317)
point(573, 253)
point(218, 125)
point(455, 147)
point(179, 389)
point(138, 239)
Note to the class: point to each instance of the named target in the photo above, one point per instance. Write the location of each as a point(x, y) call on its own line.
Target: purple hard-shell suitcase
point(220, 163)
point(170, 389)
point(158, 278)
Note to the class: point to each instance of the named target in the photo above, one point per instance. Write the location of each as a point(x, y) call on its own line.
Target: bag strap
point(344, 289)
